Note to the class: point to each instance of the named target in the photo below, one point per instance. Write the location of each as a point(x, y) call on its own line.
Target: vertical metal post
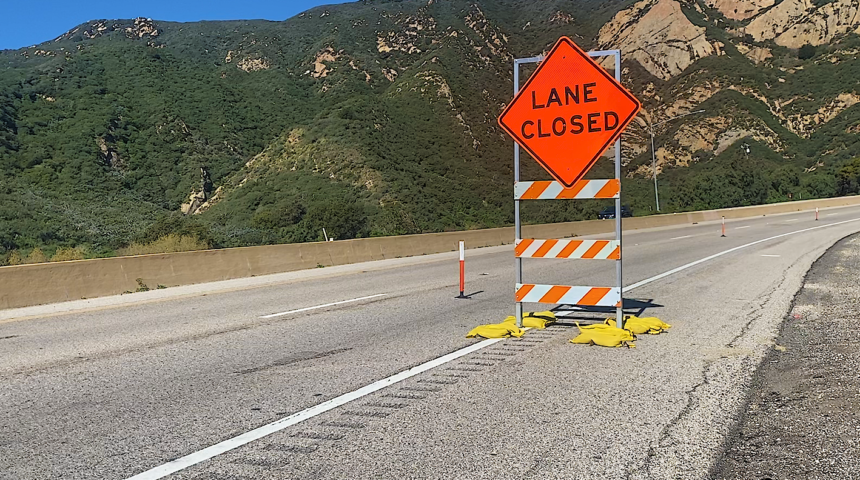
point(517, 223)
point(654, 169)
point(618, 214)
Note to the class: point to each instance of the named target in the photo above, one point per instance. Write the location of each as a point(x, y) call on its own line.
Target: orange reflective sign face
point(569, 112)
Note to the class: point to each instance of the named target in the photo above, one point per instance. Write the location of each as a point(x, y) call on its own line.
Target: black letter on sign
point(571, 94)
point(553, 98)
point(526, 135)
point(540, 132)
point(535, 106)
point(592, 122)
point(576, 126)
point(614, 117)
point(559, 132)
point(586, 89)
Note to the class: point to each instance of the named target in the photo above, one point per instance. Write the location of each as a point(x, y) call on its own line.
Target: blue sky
point(27, 23)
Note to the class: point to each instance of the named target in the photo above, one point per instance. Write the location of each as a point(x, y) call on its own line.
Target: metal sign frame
point(618, 215)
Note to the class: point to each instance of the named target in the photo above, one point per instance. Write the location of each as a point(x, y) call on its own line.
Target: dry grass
point(35, 256)
point(67, 254)
point(168, 244)
point(63, 254)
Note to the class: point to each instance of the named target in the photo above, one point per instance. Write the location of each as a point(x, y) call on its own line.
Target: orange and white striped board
point(561, 295)
point(587, 249)
point(583, 189)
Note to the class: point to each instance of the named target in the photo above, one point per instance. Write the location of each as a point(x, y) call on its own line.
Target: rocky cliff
point(667, 37)
point(658, 35)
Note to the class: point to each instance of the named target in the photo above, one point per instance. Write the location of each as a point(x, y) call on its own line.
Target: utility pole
point(654, 153)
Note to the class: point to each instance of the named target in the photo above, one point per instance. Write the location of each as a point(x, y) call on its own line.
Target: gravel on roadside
point(803, 416)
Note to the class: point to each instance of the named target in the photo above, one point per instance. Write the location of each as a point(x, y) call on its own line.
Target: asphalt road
point(803, 418)
point(129, 384)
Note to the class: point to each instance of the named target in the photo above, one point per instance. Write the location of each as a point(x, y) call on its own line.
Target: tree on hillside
point(806, 52)
point(848, 178)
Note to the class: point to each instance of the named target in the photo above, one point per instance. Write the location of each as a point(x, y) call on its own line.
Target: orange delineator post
point(724, 227)
point(462, 270)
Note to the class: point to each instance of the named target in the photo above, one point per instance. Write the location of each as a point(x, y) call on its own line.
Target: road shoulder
point(803, 415)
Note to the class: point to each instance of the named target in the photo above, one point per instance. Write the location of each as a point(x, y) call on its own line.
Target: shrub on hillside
point(14, 258)
point(342, 218)
point(36, 256)
point(170, 243)
point(67, 254)
point(806, 52)
point(177, 225)
point(848, 178)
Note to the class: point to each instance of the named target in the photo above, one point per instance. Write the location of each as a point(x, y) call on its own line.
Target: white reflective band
point(591, 189)
point(563, 295)
point(584, 189)
point(568, 249)
point(553, 191)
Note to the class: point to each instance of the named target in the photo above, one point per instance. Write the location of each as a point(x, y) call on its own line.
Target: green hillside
point(369, 118)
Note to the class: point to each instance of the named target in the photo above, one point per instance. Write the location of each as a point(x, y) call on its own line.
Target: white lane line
point(772, 256)
point(831, 214)
point(793, 220)
point(741, 228)
point(322, 306)
point(278, 425)
point(681, 238)
point(726, 252)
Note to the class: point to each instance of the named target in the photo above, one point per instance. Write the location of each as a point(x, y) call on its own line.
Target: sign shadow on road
point(566, 314)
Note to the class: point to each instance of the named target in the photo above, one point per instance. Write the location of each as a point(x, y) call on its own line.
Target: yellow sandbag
point(640, 326)
point(604, 335)
point(501, 330)
point(539, 320)
point(657, 325)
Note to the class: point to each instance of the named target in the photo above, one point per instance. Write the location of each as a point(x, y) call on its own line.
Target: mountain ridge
point(378, 118)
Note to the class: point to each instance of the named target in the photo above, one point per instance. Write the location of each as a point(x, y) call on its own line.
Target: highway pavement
point(803, 417)
point(120, 387)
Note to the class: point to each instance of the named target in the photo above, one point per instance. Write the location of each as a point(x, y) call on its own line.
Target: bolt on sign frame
point(586, 249)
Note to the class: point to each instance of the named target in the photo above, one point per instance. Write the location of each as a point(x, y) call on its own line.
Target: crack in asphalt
point(737, 433)
point(745, 364)
point(645, 466)
point(762, 306)
point(665, 438)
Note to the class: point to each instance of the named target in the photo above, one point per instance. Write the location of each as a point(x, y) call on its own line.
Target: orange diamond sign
point(569, 112)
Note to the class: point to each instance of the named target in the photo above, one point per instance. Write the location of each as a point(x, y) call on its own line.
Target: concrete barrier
point(37, 284)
